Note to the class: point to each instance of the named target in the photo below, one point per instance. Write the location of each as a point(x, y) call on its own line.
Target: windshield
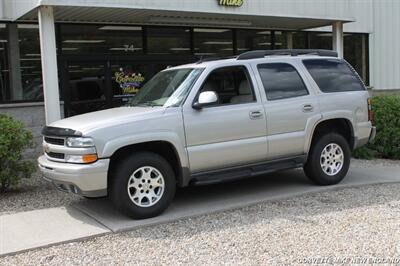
point(167, 88)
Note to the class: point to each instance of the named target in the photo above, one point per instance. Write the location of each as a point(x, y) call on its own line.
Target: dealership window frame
point(146, 56)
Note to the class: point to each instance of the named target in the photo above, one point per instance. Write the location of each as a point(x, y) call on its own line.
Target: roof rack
point(292, 52)
point(213, 58)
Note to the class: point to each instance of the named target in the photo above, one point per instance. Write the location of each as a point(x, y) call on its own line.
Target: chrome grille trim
point(55, 141)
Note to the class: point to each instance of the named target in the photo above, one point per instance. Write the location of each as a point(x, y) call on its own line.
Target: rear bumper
point(372, 135)
point(88, 180)
point(365, 133)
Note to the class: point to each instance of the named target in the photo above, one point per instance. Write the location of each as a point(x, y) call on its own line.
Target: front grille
point(56, 155)
point(54, 141)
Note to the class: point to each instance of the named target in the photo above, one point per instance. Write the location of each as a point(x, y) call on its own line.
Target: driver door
point(231, 132)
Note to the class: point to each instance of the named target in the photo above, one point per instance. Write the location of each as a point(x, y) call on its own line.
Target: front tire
point(143, 185)
point(329, 159)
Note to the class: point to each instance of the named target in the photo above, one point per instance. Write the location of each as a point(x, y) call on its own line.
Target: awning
point(283, 14)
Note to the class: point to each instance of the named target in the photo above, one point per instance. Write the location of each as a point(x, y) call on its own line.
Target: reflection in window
point(333, 75)
point(166, 40)
point(103, 39)
point(281, 80)
point(290, 40)
point(321, 40)
point(356, 52)
point(213, 42)
point(280, 40)
point(4, 74)
point(253, 40)
point(30, 62)
point(87, 89)
point(167, 88)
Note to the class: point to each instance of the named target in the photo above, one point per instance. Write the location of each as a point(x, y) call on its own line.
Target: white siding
point(361, 10)
point(385, 48)
point(2, 15)
point(380, 18)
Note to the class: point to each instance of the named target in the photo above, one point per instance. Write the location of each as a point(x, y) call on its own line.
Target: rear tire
point(143, 185)
point(328, 160)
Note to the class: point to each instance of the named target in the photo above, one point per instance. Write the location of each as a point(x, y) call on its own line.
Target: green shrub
point(14, 139)
point(386, 119)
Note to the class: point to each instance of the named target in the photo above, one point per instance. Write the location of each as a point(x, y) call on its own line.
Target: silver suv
point(214, 121)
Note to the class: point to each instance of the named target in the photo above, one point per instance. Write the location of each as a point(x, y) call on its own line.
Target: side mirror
point(206, 98)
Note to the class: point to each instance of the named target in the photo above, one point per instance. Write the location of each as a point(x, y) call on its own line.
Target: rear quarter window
point(333, 75)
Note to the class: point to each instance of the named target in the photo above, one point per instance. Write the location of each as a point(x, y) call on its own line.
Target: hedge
point(386, 119)
point(14, 139)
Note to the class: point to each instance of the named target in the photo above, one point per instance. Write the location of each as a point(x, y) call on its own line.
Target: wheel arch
point(164, 148)
point(339, 125)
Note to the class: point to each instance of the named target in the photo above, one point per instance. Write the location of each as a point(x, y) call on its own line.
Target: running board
point(238, 172)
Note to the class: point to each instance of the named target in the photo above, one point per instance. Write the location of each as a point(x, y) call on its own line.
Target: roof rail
point(292, 52)
point(214, 58)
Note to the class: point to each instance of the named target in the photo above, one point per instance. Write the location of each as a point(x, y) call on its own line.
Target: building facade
point(60, 58)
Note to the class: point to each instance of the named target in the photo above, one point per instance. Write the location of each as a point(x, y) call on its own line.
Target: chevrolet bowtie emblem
point(46, 148)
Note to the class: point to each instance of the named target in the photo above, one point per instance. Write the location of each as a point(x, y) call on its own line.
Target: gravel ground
point(35, 193)
point(344, 226)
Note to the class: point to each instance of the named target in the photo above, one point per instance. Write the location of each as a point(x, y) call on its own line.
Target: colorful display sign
point(128, 81)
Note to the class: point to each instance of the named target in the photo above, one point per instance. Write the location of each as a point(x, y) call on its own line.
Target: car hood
point(101, 119)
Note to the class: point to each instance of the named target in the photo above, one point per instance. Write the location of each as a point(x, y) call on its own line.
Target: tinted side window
point(281, 81)
point(231, 84)
point(333, 75)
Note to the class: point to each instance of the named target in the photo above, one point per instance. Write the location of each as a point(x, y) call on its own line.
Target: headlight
point(80, 142)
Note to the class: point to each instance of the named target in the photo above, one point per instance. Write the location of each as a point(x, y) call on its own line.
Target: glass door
point(127, 78)
point(85, 87)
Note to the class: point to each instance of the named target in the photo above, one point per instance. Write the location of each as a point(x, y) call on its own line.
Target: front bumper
point(89, 180)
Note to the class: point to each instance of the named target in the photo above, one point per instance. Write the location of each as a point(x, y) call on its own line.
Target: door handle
point(308, 108)
point(255, 114)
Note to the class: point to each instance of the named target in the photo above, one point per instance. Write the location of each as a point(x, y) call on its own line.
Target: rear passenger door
point(289, 106)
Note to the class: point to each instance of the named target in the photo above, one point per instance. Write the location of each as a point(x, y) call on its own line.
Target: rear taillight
point(369, 109)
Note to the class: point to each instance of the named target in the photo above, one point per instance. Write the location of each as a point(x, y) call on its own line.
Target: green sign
point(233, 3)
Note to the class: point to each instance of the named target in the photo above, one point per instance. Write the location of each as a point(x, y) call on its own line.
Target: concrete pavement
point(195, 201)
point(39, 228)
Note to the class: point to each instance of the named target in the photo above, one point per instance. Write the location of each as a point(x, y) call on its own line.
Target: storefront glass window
point(86, 87)
point(4, 82)
point(290, 40)
point(213, 42)
point(356, 52)
point(253, 40)
point(30, 62)
point(114, 79)
point(280, 40)
point(320, 40)
point(101, 39)
point(164, 40)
